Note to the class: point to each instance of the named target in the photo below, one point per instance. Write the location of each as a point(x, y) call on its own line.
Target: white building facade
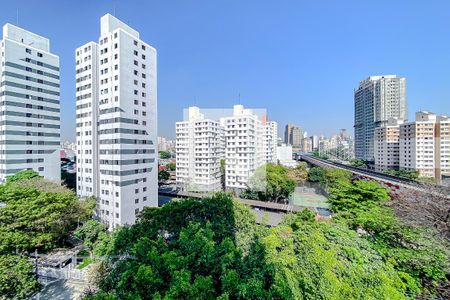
point(240, 139)
point(117, 123)
point(199, 151)
point(425, 145)
point(244, 147)
point(387, 146)
point(29, 105)
point(270, 140)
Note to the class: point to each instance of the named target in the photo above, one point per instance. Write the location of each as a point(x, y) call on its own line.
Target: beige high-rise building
point(377, 99)
point(387, 143)
point(425, 145)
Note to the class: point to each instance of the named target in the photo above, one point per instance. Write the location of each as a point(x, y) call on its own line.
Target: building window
point(28, 50)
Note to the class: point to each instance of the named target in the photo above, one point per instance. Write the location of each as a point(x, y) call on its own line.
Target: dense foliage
point(171, 166)
point(270, 183)
point(35, 214)
point(325, 260)
point(91, 232)
point(299, 174)
point(213, 249)
point(17, 280)
point(191, 249)
point(414, 175)
point(164, 154)
point(163, 175)
point(413, 250)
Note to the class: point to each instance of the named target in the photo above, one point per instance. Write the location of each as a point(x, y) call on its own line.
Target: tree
point(69, 179)
point(212, 248)
point(171, 166)
point(317, 174)
point(38, 213)
point(270, 183)
point(426, 206)
point(163, 175)
point(413, 250)
point(164, 154)
point(322, 260)
point(358, 163)
point(22, 175)
point(414, 175)
point(357, 195)
point(90, 232)
point(187, 249)
point(17, 280)
point(299, 173)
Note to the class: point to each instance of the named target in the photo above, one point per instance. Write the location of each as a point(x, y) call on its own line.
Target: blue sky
point(298, 59)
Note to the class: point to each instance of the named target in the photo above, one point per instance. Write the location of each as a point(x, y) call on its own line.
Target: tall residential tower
point(377, 99)
point(116, 123)
point(29, 105)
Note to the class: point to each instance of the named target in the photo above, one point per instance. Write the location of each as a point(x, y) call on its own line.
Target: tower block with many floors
point(29, 105)
point(116, 123)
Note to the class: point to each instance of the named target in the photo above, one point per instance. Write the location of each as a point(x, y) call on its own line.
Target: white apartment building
point(199, 151)
point(425, 145)
point(387, 146)
point(241, 138)
point(244, 146)
point(270, 140)
point(377, 99)
point(29, 105)
point(116, 123)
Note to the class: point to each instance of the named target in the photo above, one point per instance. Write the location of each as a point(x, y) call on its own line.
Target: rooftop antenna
point(17, 16)
point(239, 97)
point(114, 8)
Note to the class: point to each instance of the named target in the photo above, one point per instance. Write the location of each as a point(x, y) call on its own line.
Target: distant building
point(244, 146)
point(314, 142)
point(270, 140)
point(293, 136)
point(284, 155)
point(377, 99)
point(244, 140)
point(387, 146)
point(199, 150)
point(165, 144)
point(30, 105)
point(425, 145)
point(307, 145)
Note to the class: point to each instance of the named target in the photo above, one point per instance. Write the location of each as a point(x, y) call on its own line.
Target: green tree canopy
point(188, 249)
point(164, 154)
point(270, 183)
point(17, 280)
point(317, 174)
point(322, 260)
point(360, 194)
point(171, 166)
point(163, 175)
point(38, 213)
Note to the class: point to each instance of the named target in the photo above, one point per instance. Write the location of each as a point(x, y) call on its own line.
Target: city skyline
point(199, 67)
